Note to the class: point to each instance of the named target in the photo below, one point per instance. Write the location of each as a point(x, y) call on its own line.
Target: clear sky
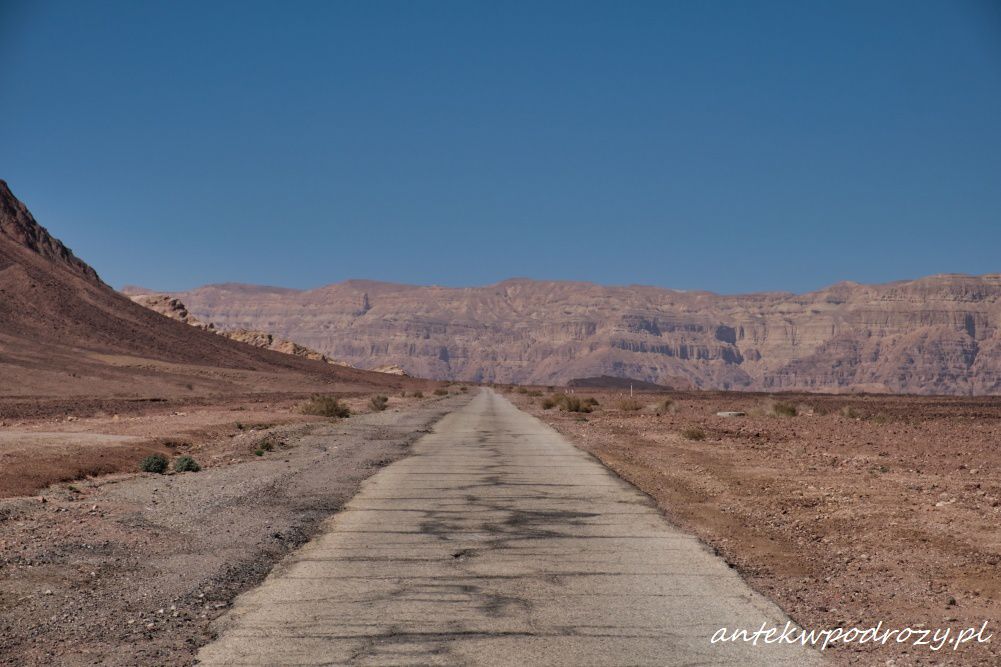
point(731, 146)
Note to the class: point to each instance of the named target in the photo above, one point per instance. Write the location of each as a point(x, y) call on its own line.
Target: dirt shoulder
point(132, 569)
point(855, 511)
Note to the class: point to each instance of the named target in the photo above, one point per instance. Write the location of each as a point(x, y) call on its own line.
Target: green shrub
point(784, 409)
point(258, 452)
point(326, 406)
point(186, 464)
point(630, 405)
point(156, 463)
point(378, 403)
point(693, 433)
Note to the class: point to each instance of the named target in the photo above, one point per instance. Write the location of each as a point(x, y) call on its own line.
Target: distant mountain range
point(934, 335)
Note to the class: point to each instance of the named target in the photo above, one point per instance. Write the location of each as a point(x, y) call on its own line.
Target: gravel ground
point(132, 571)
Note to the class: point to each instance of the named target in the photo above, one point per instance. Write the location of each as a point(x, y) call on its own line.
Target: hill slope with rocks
point(934, 335)
point(64, 332)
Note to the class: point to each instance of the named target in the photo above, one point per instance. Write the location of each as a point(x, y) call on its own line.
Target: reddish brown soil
point(36, 450)
point(891, 515)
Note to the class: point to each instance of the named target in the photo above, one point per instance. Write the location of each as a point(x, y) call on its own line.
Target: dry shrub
point(784, 410)
point(693, 433)
point(326, 406)
point(629, 405)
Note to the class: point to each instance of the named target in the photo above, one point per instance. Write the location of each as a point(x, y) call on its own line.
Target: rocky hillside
point(65, 333)
point(173, 308)
point(935, 335)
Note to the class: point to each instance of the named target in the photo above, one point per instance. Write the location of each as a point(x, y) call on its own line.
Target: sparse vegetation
point(463, 388)
point(155, 463)
point(186, 464)
point(693, 433)
point(784, 410)
point(629, 405)
point(548, 404)
point(666, 406)
point(326, 406)
point(441, 392)
point(418, 394)
point(534, 393)
point(258, 452)
point(522, 390)
point(378, 403)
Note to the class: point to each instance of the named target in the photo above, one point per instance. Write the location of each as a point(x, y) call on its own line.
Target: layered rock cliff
point(934, 335)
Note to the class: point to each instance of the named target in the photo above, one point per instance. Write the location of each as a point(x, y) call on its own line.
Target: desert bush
point(326, 406)
point(629, 404)
point(784, 409)
point(548, 404)
point(665, 406)
point(186, 464)
point(850, 412)
point(522, 390)
point(378, 403)
point(569, 403)
point(418, 394)
point(463, 388)
point(258, 452)
point(693, 433)
point(156, 463)
point(441, 392)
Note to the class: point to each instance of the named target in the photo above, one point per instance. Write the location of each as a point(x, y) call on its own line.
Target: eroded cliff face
point(934, 335)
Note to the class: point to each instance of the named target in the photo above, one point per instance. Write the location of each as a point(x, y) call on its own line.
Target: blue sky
point(730, 146)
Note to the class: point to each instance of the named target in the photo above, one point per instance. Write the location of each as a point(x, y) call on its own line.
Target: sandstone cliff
point(938, 334)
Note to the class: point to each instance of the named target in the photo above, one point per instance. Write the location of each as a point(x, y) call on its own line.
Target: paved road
point(498, 543)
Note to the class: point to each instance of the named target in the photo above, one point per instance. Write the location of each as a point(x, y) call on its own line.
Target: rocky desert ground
point(846, 511)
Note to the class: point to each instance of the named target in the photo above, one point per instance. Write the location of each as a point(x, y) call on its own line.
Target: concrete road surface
point(498, 543)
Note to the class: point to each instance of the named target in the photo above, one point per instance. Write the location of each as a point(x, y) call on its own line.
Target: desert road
point(497, 542)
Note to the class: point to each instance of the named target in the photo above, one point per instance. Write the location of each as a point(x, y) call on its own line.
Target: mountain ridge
point(932, 335)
